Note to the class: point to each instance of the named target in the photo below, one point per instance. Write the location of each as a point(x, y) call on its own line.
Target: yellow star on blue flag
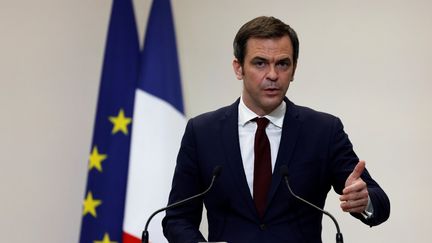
point(95, 159)
point(120, 122)
point(90, 204)
point(106, 239)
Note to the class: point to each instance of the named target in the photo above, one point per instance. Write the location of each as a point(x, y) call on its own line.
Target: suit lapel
point(230, 141)
point(290, 132)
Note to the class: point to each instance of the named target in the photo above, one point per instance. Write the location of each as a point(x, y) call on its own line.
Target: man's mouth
point(271, 90)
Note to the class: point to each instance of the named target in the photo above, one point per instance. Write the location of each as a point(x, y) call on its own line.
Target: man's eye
point(259, 64)
point(283, 65)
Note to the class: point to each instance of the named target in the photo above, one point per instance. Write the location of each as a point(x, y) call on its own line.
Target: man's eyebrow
point(259, 58)
point(287, 59)
point(284, 59)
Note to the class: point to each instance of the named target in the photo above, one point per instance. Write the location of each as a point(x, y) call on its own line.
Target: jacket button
point(263, 226)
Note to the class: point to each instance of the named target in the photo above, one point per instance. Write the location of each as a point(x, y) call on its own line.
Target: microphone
point(145, 234)
point(284, 173)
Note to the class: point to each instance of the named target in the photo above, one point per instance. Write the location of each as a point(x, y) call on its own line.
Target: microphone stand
point(284, 172)
point(145, 233)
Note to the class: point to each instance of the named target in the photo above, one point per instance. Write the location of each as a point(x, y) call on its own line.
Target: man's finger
point(354, 195)
point(358, 170)
point(354, 205)
point(355, 186)
point(358, 209)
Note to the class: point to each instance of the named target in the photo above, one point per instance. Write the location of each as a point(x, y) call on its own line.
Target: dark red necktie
point(262, 166)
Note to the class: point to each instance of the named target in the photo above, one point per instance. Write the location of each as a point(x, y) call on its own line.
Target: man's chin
point(272, 103)
point(273, 99)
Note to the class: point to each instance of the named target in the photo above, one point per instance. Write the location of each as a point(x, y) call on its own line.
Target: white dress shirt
point(247, 129)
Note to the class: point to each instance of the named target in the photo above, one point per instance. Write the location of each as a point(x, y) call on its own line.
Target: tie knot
point(262, 122)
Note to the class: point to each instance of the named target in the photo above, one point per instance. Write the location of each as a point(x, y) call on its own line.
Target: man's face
point(267, 72)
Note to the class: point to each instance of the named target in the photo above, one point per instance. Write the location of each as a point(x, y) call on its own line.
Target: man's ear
point(238, 70)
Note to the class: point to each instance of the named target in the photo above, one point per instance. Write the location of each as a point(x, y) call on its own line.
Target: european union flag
point(104, 199)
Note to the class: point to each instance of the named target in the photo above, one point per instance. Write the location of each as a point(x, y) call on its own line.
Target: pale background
point(368, 62)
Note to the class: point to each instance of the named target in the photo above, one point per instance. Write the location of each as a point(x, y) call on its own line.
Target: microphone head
point(217, 170)
point(283, 170)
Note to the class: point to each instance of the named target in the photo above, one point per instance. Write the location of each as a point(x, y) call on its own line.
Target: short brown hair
point(263, 27)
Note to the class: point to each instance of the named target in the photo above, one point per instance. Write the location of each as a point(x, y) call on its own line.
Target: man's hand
point(354, 198)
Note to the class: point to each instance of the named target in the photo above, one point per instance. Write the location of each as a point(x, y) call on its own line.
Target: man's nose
point(272, 73)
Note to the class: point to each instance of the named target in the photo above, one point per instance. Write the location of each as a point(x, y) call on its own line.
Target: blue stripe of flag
point(159, 73)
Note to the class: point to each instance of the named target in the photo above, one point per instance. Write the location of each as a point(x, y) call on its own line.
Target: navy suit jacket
point(317, 152)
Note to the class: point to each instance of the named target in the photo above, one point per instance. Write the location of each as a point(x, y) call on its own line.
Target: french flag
point(138, 128)
point(159, 124)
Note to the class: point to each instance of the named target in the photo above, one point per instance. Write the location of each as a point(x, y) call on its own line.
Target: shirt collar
point(276, 117)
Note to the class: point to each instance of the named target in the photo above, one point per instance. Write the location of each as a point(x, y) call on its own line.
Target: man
point(251, 140)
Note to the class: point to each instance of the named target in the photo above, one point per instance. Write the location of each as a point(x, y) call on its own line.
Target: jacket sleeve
point(181, 224)
point(343, 160)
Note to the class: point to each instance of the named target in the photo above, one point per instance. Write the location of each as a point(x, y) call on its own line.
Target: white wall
point(369, 62)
